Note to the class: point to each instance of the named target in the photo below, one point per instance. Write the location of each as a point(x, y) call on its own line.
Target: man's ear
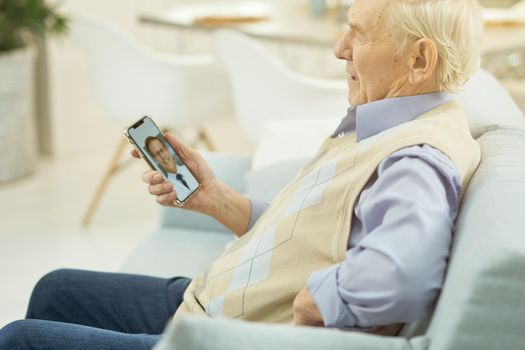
point(423, 62)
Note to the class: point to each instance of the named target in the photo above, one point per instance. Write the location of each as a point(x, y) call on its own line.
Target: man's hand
point(214, 198)
point(305, 311)
point(164, 190)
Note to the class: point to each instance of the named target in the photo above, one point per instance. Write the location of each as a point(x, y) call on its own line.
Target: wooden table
point(283, 22)
point(291, 22)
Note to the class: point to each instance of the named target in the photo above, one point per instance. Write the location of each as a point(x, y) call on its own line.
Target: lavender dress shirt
point(401, 227)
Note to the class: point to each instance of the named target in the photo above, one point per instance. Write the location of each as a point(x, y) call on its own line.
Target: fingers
point(152, 177)
point(167, 199)
point(134, 153)
point(160, 189)
point(163, 189)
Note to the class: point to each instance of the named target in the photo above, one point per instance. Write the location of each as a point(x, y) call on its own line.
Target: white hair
point(455, 27)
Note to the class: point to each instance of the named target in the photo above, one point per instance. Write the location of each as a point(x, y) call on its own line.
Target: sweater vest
point(307, 226)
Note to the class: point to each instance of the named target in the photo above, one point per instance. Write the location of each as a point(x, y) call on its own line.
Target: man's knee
point(15, 335)
point(49, 291)
point(56, 280)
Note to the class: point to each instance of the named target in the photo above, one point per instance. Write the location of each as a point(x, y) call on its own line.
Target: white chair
point(131, 80)
point(264, 88)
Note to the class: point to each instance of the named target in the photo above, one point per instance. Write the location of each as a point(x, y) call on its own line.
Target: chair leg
point(114, 166)
point(205, 139)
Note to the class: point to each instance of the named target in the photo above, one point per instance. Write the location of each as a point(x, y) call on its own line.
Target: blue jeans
point(74, 309)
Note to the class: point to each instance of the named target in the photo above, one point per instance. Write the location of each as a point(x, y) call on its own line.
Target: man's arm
point(403, 234)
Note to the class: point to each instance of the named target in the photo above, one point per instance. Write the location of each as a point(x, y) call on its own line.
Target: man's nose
point(343, 48)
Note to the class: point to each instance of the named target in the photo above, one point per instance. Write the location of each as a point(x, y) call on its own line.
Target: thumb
point(182, 150)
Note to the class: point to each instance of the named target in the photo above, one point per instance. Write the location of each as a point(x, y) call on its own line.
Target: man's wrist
point(210, 204)
point(228, 206)
point(306, 311)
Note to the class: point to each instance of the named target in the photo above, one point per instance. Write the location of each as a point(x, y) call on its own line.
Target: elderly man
point(359, 239)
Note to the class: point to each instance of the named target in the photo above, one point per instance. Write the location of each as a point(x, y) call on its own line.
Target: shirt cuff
point(258, 207)
point(324, 289)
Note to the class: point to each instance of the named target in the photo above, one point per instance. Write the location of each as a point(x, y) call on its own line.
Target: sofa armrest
point(201, 333)
point(228, 168)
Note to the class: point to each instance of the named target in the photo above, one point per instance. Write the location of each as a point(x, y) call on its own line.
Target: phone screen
point(161, 156)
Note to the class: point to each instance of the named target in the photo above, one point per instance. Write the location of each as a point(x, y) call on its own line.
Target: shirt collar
point(372, 118)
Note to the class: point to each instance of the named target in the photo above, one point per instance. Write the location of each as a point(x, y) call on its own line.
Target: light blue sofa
point(482, 302)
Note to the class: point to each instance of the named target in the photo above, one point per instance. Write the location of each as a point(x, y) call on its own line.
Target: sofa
point(481, 304)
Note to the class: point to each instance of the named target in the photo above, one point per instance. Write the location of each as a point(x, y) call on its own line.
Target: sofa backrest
point(487, 102)
point(481, 305)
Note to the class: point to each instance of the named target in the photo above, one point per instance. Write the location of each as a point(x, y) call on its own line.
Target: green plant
point(22, 20)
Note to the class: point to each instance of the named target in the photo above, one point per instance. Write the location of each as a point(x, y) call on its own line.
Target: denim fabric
point(74, 309)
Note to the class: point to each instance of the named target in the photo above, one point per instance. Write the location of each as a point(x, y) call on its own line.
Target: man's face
point(374, 70)
point(162, 155)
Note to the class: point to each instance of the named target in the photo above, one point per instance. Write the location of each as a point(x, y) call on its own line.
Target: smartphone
point(147, 139)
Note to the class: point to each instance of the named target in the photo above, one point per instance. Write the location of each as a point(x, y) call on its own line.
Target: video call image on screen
point(163, 158)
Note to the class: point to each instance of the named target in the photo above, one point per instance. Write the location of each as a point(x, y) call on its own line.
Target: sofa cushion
point(292, 138)
point(196, 333)
point(176, 252)
point(481, 303)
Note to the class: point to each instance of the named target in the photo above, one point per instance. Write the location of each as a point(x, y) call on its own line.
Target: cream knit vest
point(306, 227)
